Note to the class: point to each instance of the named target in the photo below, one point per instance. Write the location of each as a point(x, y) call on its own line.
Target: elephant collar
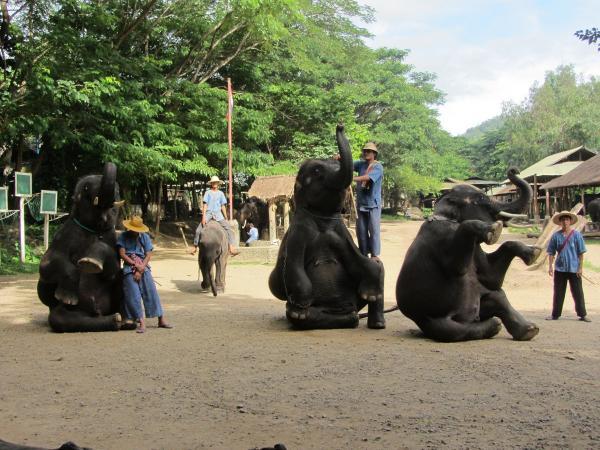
point(335, 216)
point(438, 217)
point(82, 226)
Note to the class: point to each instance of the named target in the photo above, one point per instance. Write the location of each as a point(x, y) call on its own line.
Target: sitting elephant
point(593, 209)
point(448, 285)
point(213, 252)
point(319, 271)
point(80, 271)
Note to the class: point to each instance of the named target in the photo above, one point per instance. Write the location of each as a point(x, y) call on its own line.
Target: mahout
point(448, 285)
point(320, 272)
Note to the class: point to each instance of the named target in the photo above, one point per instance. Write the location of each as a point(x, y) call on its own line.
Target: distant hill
point(475, 133)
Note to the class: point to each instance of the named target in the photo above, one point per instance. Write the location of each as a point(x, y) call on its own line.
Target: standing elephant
point(213, 252)
point(320, 272)
point(448, 285)
point(80, 271)
point(593, 209)
point(256, 211)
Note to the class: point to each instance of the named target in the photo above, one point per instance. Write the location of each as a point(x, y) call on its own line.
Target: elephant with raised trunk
point(80, 271)
point(320, 272)
point(448, 285)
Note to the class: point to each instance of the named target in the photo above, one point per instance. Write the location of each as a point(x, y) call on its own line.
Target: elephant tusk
point(119, 203)
point(96, 200)
point(244, 223)
point(511, 215)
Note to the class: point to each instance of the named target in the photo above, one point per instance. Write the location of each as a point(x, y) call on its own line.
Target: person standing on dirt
point(214, 208)
point(565, 251)
point(368, 200)
point(135, 249)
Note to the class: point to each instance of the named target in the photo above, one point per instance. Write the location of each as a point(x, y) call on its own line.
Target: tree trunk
point(158, 200)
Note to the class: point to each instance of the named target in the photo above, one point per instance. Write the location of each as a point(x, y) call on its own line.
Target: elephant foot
point(90, 265)
point(376, 319)
point(295, 312)
point(532, 255)
point(495, 325)
point(128, 325)
point(527, 333)
point(66, 296)
point(494, 232)
point(318, 318)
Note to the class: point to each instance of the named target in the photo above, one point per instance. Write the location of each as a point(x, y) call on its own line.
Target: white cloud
point(482, 60)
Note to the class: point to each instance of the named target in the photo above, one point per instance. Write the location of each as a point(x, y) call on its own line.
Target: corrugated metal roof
point(549, 166)
point(585, 174)
point(273, 187)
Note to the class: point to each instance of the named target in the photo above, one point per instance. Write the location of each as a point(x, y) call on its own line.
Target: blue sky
point(486, 52)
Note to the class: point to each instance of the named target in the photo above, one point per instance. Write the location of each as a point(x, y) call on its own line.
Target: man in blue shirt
point(252, 233)
point(368, 201)
point(565, 251)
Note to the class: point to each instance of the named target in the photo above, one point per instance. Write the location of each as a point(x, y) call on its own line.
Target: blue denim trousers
point(136, 293)
point(368, 225)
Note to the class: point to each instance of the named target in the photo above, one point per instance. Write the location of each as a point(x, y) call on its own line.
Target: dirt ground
point(232, 375)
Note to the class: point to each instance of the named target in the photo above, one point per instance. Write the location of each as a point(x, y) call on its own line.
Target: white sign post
point(48, 204)
point(22, 190)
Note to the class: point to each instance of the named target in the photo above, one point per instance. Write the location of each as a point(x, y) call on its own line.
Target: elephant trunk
point(342, 178)
point(514, 209)
point(106, 195)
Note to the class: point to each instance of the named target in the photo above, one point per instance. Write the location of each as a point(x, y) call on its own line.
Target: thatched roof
point(274, 187)
point(557, 164)
point(585, 174)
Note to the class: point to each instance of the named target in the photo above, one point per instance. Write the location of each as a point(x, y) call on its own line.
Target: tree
point(592, 36)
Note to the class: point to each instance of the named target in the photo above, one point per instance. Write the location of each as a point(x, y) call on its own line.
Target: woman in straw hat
point(565, 252)
point(213, 208)
point(135, 249)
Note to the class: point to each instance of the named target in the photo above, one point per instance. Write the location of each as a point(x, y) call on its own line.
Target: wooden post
point(286, 216)
point(272, 221)
point(22, 228)
point(548, 212)
point(536, 206)
point(230, 140)
point(583, 199)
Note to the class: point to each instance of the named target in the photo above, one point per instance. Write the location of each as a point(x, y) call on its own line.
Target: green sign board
point(48, 203)
point(23, 184)
point(3, 199)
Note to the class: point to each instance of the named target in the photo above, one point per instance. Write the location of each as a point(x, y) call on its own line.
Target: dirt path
point(231, 375)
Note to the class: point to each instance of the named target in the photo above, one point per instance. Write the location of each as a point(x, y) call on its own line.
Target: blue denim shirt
point(214, 200)
point(568, 260)
point(134, 246)
point(369, 196)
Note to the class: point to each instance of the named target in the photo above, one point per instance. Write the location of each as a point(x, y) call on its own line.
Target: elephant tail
point(393, 308)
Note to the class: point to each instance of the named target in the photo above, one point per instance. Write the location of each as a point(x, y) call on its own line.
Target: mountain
point(475, 133)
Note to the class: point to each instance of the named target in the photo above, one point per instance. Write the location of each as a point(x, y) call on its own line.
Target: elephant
point(448, 285)
point(213, 252)
point(256, 211)
point(593, 209)
point(80, 277)
point(320, 272)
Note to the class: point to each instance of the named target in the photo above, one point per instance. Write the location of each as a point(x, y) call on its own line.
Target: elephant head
point(465, 202)
point(253, 211)
point(95, 199)
point(321, 183)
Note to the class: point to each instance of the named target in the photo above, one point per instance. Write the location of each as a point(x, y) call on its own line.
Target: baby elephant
point(448, 285)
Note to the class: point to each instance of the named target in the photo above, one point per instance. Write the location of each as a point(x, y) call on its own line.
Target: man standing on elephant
point(565, 251)
point(368, 200)
point(213, 208)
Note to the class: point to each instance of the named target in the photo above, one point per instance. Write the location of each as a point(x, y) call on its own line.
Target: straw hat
point(556, 217)
point(370, 146)
point(214, 179)
point(136, 224)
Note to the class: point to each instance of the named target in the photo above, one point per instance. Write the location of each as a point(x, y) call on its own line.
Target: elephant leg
point(99, 258)
point(56, 268)
point(220, 272)
point(319, 317)
point(496, 304)
point(66, 319)
point(445, 329)
point(492, 267)
point(465, 242)
point(375, 314)
point(45, 292)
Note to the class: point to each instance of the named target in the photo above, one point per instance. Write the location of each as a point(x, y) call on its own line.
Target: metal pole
point(229, 134)
point(22, 228)
point(46, 231)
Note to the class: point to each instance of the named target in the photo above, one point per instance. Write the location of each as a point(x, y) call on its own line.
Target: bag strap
point(564, 243)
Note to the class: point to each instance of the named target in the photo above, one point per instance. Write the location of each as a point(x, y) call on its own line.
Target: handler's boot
point(376, 319)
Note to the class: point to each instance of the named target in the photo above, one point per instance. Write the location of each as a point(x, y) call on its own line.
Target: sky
point(486, 52)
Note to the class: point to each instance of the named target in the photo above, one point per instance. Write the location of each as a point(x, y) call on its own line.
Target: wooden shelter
point(274, 190)
point(586, 174)
point(542, 172)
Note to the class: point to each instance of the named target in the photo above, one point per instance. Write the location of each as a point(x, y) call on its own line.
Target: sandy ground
point(232, 375)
